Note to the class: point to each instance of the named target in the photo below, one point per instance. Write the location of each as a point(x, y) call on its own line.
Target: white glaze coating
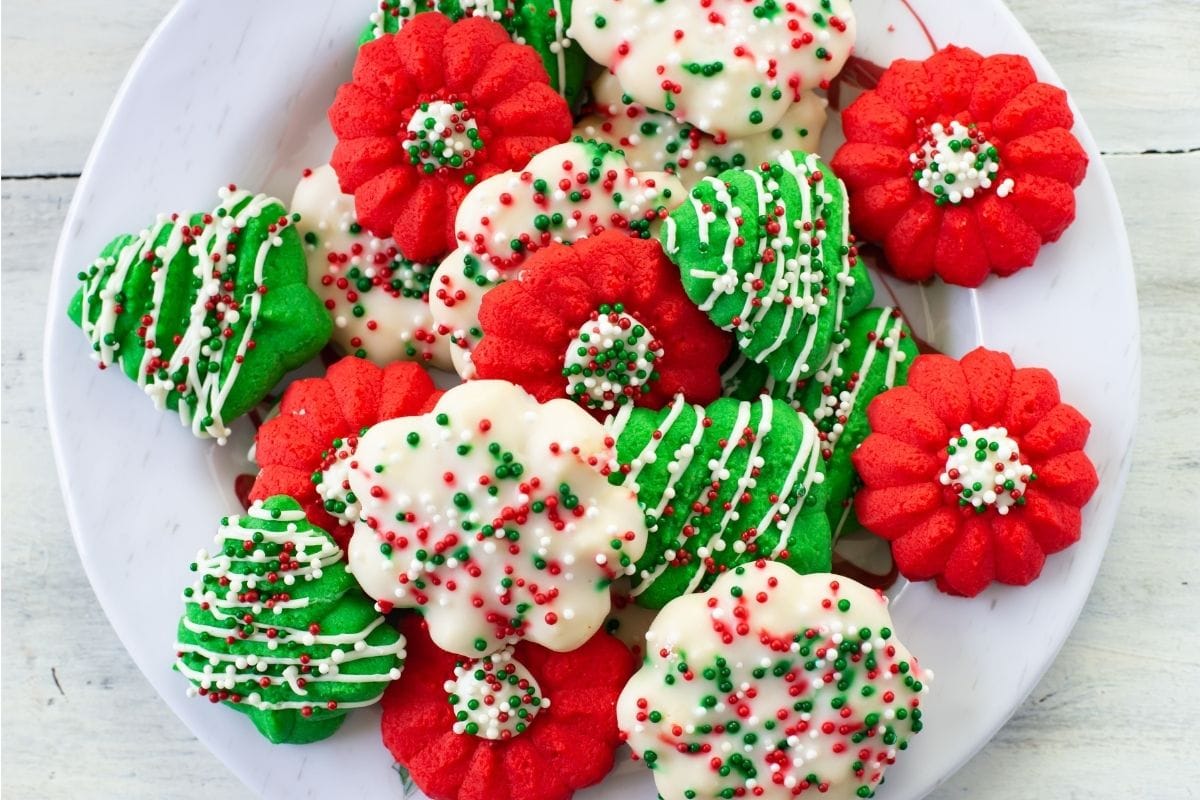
point(443, 481)
point(396, 323)
point(760, 620)
point(654, 140)
point(727, 67)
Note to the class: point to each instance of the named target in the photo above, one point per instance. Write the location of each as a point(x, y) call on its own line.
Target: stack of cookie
point(671, 394)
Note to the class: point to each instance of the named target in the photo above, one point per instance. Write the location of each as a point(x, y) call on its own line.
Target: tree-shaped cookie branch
point(276, 628)
point(767, 253)
point(206, 314)
point(721, 485)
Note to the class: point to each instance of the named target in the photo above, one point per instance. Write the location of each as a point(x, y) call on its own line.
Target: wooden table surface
point(1114, 717)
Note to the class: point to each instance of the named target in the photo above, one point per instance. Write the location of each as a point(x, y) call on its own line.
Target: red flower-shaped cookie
point(960, 165)
point(606, 322)
point(543, 724)
point(974, 471)
point(315, 412)
point(432, 111)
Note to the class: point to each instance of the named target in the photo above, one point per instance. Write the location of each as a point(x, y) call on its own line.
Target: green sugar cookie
point(206, 316)
point(276, 628)
point(871, 355)
point(720, 485)
point(541, 24)
point(767, 253)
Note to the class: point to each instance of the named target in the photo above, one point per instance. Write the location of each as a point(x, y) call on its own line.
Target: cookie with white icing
point(773, 685)
point(869, 357)
point(206, 313)
point(564, 194)
point(655, 140)
point(732, 69)
point(721, 485)
point(378, 299)
point(767, 252)
point(492, 516)
point(276, 628)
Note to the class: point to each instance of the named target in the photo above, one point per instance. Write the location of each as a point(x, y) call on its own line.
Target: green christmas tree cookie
point(541, 24)
point(721, 485)
point(871, 355)
point(276, 628)
point(767, 253)
point(206, 314)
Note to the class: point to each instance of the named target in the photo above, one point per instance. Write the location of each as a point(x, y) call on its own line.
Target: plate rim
point(1098, 170)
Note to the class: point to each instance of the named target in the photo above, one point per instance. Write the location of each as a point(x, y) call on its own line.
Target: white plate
point(238, 94)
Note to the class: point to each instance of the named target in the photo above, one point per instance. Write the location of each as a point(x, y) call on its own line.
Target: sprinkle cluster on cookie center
point(773, 685)
point(494, 697)
point(493, 516)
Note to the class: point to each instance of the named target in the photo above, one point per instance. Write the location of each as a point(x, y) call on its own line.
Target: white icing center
point(610, 360)
point(954, 163)
point(984, 467)
point(494, 697)
point(443, 134)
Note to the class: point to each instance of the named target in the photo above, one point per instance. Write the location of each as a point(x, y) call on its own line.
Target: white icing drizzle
point(314, 552)
point(210, 389)
point(806, 463)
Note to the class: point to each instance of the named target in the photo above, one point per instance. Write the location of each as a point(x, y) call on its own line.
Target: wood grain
point(1114, 717)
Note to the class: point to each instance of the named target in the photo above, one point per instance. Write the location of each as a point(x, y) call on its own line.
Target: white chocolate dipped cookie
point(727, 67)
point(655, 140)
point(493, 516)
point(564, 194)
point(378, 300)
point(772, 684)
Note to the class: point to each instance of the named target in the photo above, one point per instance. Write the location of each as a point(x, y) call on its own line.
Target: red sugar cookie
point(960, 165)
point(605, 322)
point(544, 723)
point(974, 471)
point(430, 112)
point(317, 412)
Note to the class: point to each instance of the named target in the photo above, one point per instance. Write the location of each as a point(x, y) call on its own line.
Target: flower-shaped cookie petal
point(320, 418)
point(773, 685)
point(960, 165)
point(431, 112)
point(549, 730)
point(729, 67)
point(604, 322)
point(492, 515)
point(974, 471)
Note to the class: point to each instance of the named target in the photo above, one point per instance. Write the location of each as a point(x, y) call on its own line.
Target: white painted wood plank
point(1110, 719)
point(1132, 68)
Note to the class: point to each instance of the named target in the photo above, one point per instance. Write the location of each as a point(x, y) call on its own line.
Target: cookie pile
point(670, 393)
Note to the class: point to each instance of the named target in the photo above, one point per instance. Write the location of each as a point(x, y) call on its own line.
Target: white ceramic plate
point(237, 92)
